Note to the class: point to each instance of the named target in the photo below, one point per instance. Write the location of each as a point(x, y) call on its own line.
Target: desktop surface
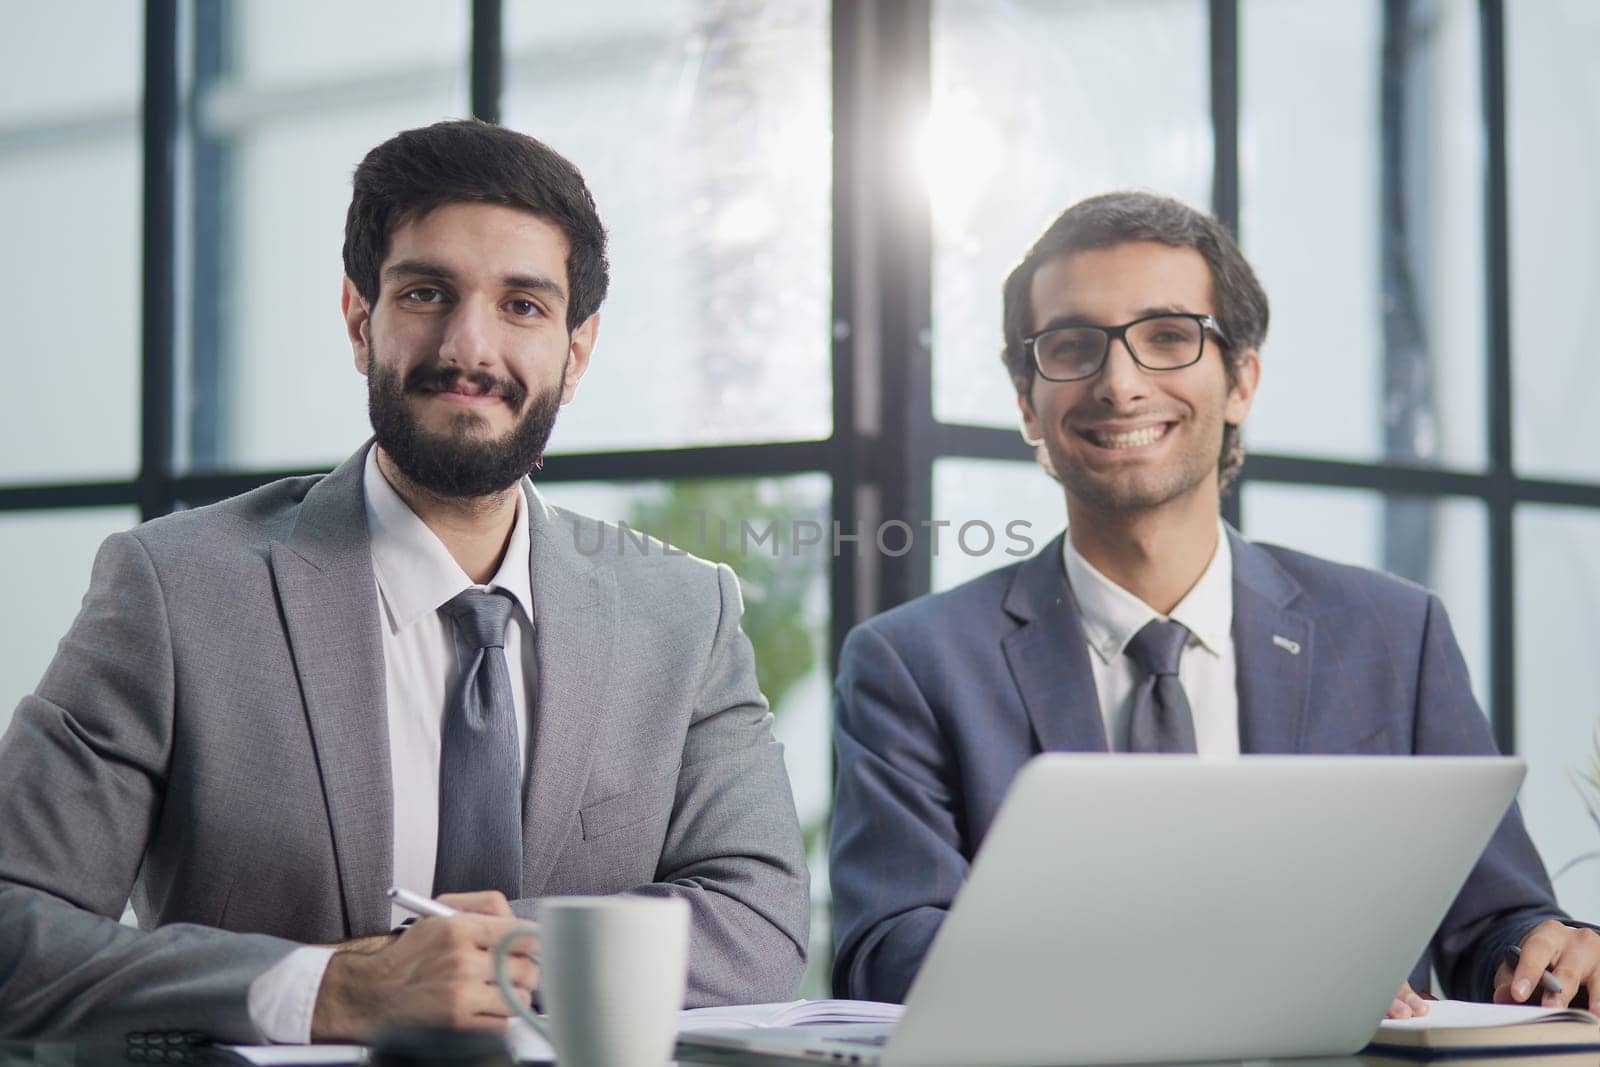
point(110, 1054)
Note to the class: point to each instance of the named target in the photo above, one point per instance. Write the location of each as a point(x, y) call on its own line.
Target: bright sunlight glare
point(957, 152)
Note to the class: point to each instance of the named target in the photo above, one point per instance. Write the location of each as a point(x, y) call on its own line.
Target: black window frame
point(885, 438)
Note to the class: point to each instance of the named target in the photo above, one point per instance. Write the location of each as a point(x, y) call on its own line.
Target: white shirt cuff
point(282, 1000)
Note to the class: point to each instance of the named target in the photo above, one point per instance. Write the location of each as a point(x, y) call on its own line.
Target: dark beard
point(461, 463)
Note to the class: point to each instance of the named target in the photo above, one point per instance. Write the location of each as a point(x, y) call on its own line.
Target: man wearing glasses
point(1131, 335)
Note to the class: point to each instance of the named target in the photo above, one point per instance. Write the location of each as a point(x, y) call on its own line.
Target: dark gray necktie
point(480, 786)
point(1161, 721)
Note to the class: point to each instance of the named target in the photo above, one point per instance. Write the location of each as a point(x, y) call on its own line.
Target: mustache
point(438, 379)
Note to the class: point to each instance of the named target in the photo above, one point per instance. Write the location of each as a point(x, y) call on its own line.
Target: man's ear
point(357, 324)
point(1032, 432)
point(580, 348)
point(1242, 393)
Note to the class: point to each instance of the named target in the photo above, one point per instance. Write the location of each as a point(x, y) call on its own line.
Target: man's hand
point(1572, 953)
point(438, 972)
point(1407, 1003)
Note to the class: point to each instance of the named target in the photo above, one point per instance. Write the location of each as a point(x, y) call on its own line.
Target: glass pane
point(70, 177)
point(1037, 104)
point(702, 127)
point(773, 533)
point(400, 41)
point(1362, 207)
point(1441, 543)
point(1557, 618)
point(994, 513)
point(1553, 113)
point(282, 119)
point(42, 596)
point(50, 67)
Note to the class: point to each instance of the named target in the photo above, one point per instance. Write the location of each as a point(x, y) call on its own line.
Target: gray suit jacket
point(939, 703)
point(211, 738)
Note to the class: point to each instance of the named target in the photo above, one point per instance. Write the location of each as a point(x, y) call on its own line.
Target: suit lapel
point(1049, 658)
point(575, 609)
point(1273, 646)
point(324, 579)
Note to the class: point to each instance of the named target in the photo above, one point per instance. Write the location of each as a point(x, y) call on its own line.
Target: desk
point(105, 1054)
point(109, 1054)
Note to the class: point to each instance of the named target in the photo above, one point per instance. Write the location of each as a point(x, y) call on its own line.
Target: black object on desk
point(418, 1046)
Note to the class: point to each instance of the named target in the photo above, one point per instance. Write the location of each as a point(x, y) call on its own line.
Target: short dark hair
point(1133, 215)
point(465, 161)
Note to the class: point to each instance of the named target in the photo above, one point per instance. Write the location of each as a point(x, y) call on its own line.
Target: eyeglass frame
point(1120, 333)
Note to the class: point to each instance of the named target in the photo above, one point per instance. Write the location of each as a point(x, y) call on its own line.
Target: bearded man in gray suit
point(249, 728)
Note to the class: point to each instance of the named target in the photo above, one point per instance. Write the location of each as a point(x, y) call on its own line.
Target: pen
point(419, 904)
point(1547, 980)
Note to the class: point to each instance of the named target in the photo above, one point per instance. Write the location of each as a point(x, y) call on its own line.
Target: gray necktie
point(1160, 721)
point(480, 793)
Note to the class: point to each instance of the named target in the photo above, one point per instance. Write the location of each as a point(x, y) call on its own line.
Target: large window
point(812, 206)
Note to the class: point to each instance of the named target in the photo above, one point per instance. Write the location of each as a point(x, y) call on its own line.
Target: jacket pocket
point(628, 809)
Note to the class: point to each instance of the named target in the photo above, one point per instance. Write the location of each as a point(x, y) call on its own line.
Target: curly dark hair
point(1133, 215)
point(468, 161)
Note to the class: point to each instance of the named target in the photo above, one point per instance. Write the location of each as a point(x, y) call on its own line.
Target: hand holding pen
point(1524, 986)
point(438, 972)
point(1557, 965)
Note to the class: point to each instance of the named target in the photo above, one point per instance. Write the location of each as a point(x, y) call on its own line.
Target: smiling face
point(1127, 439)
point(466, 348)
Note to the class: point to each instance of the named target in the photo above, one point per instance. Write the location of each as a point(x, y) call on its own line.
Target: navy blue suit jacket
point(940, 701)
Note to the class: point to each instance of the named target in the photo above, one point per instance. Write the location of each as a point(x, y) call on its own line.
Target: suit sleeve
point(733, 848)
point(897, 856)
point(82, 768)
point(1508, 893)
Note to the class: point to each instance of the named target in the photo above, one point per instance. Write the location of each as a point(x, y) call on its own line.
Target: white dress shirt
point(1111, 616)
point(423, 655)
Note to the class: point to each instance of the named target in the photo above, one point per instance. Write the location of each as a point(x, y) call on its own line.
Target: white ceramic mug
point(611, 977)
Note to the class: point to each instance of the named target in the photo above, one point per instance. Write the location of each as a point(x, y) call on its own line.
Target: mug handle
point(502, 949)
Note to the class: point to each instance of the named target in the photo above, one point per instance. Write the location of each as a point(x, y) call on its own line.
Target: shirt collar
point(416, 573)
point(1111, 615)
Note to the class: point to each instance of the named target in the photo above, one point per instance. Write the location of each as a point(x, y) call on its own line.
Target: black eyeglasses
point(1169, 341)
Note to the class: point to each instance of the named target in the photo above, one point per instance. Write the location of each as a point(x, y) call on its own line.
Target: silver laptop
point(1129, 909)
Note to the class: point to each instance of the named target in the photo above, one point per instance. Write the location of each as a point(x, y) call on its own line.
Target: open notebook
point(1460, 1027)
point(528, 1046)
point(793, 1013)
